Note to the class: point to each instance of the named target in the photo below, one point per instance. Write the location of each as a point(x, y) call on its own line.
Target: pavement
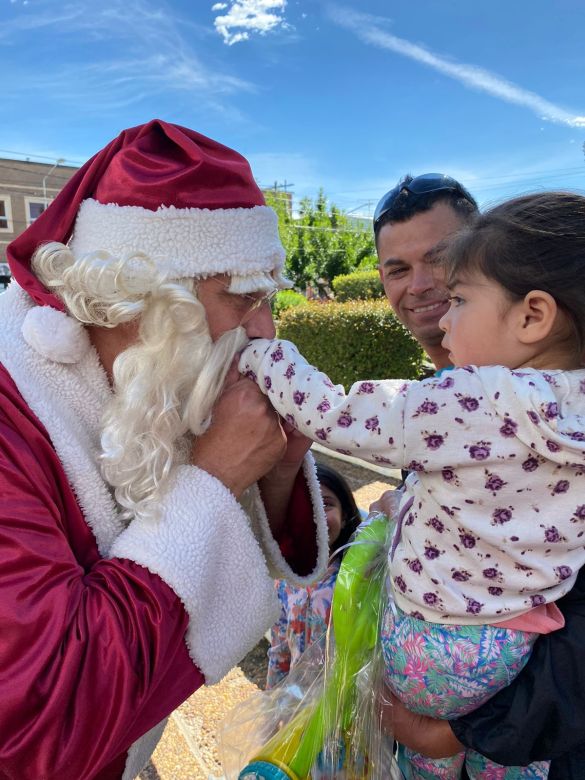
point(188, 748)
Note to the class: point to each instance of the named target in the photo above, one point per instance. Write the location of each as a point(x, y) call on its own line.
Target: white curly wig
point(165, 385)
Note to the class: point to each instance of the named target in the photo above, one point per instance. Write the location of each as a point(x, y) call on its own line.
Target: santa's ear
point(536, 316)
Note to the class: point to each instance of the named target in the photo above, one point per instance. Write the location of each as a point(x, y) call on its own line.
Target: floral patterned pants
point(449, 670)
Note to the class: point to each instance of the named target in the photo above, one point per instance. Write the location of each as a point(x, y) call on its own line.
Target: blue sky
point(346, 96)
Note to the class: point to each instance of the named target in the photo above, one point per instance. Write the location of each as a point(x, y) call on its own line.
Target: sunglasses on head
point(420, 185)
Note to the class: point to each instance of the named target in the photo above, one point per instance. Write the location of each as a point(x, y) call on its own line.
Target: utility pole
point(60, 161)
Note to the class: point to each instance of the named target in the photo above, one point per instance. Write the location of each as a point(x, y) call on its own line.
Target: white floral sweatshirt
point(492, 519)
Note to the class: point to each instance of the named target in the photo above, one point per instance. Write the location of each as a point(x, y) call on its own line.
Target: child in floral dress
point(490, 530)
point(304, 614)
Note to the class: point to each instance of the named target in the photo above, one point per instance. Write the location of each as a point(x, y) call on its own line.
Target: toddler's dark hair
point(534, 242)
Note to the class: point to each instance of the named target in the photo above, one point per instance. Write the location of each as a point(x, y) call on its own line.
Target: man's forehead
point(420, 237)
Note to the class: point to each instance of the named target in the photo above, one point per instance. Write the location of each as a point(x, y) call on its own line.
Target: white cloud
point(368, 29)
point(137, 52)
point(248, 16)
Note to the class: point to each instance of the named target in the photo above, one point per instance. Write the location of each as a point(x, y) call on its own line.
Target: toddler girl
point(491, 522)
point(304, 611)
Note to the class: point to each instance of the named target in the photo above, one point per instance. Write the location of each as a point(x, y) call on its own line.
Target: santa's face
point(226, 310)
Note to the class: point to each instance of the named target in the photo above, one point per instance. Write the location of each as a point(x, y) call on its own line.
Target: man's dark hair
point(406, 204)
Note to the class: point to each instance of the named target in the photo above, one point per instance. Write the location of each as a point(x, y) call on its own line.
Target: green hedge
point(352, 341)
point(286, 299)
point(359, 286)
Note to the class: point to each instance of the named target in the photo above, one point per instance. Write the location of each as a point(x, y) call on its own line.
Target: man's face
point(413, 282)
point(226, 311)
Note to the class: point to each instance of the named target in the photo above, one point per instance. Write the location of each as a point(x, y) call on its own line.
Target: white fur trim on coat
point(214, 564)
point(183, 243)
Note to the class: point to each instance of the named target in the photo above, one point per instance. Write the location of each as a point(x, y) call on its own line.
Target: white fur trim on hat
point(55, 335)
point(183, 242)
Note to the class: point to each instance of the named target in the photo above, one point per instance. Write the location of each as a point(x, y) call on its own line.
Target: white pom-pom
point(55, 335)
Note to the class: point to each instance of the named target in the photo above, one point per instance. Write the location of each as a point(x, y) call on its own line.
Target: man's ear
point(536, 316)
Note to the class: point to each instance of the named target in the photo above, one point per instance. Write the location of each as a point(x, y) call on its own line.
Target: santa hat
point(188, 202)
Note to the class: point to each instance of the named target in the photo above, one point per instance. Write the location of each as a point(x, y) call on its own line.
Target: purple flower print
point(321, 434)
point(561, 487)
point(577, 436)
point(344, 420)
point(446, 383)
point(537, 600)
point(494, 483)
point(414, 465)
point(366, 387)
point(290, 371)
point(418, 615)
point(431, 599)
point(480, 451)
point(435, 523)
point(509, 427)
point(491, 574)
point(460, 575)
point(324, 406)
point(494, 591)
point(448, 474)
point(551, 410)
point(267, 382)
point(427, 407)
point(533, 417)
point(501, 516)
point(530, 464)
point(582, 386)
point(434, 441)
point(400, 584)
point(251, 375)
point(431, 553)
point(553, 446)
point(552, 534)
point(473, 606)
point(278, 354)
point(290, 419)
point(328, 383)
point(467, 540)
point(580, 512)
point(298, 398)
point(469, 404)
point(372, 423)
point(563, 572)
point(409, 519)
point(416, 566)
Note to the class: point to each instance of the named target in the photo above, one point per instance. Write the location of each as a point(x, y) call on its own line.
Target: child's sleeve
point(367, 422)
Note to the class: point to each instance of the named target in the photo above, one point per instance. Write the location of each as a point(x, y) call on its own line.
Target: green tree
point(321, 242)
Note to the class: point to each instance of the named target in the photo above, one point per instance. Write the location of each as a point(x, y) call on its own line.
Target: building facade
point(26, 188)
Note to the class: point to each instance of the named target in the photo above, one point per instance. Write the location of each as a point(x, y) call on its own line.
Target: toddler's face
point(479, 325)
point(333, 513)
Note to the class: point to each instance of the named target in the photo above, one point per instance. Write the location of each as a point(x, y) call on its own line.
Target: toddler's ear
point(537, 316)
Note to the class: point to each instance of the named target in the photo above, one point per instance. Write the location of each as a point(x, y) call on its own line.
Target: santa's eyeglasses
point(421, 185)
point(248, 304)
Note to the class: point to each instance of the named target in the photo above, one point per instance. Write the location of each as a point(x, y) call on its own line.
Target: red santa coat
point(106, 628)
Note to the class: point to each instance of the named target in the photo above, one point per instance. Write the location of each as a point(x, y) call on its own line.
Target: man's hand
point(245, 439)
point(388, 503)
point(430, 737)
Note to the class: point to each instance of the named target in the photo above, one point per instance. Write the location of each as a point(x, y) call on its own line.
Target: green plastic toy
point(291, 753)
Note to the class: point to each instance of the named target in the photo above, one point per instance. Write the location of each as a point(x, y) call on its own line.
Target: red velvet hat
point(188, 202)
